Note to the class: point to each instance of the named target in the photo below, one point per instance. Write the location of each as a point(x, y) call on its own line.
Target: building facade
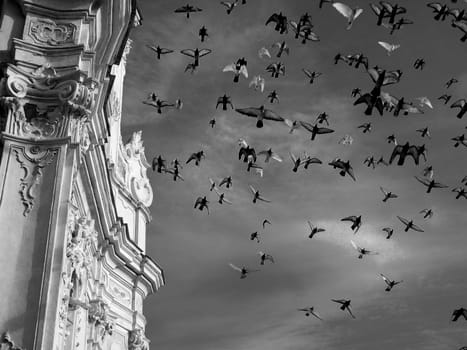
point(74, 196)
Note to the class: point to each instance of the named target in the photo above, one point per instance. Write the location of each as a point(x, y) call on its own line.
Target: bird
point(450, 82)
point(257, 196)
point(427, 213)
point(175, 171)
point(282, 47)
point(229, 5)
point(296, 162)
point(358, 59)
point(424, 132)
point(462, 26)
point(276, 69)
point(425, 101)
point(381, 161)
point(461, 192)
point(196, 54)
point(203, 33)
point(461, 312)
point(255, 236)
point(258, 83)
point(243, 270)
point(314, 229)
point(227, 181)
point(356, 92)
point(237, 69)
point(263, 257)
point(460, 140)
point(428, 172)
point(264, 52)
point(159, 50)
point(430, 184)
point(266, 221)
point(392, 139)
point(345, 305)
point(350, 13)
point(273, 96)
point(270, 154)
point(158, 164)
point(389, 231)
point(419, 63)
point(158, 104)
point(389, 283)
point(315, 129)
point(390, 48)
point(462, 105)
point(392, 10)
point(397, 25)
point(224, 101)
point(445, 98)
point(346, 140)
point(310, 311)
point(356, 222)
point(307, 161)
point(322, 118)
point(402, 151)
point(366, 127)
point(380, 13)
point(201, 203)
point(197, 156)
point(441, 10)
point(222, 198)
point(190, 67)
point(280, 21)
point(260, 113)
point(370, 162)
point(187, 9)
point(409, 225)
point(345, 168)
point(362, 251)
point(246, 152)
point(312, 75)
point(213, 184)
point(212, 122)
point(387, 194)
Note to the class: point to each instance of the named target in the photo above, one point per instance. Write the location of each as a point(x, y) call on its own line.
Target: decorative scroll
point(48, 32)
point(137, 340)
point(32, 161)
point(6, 343)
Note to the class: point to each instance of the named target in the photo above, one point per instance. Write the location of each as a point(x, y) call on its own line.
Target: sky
point(204, 304)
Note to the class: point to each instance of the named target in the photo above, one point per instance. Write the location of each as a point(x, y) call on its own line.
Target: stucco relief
point(46, 31)
point(137, 340)
point(32, 160)
point(99, 319)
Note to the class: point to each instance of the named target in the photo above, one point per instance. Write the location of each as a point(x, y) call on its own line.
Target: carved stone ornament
point(6, 343)
point(99, 318)
point(137, 340)
point(32, 160)
point(48, 32)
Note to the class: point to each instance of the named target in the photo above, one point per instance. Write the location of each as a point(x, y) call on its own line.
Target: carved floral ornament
point(137, 340)
point(46, 31)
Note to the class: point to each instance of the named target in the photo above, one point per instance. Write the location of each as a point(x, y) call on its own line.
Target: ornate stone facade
point(74, 198)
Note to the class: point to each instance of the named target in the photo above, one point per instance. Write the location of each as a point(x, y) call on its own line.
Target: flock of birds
point(374, 98)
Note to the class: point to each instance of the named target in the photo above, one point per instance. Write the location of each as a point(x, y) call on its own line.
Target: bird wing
point(403, 220)
point(384, 191)
point(376, 9)
point(339, 301)
point(252, 189)
point(435, 6)
point(244, 71)
point(385, 45)
point(316, 315)
point(292, 156)
point(462, 25)
point(351, 218)
point(276, 157)
point(270, 115)
point(250, 112)
point(273, 18)
point(410, 108)
point(324, 131)
point(440, 185)
point(459, 103)
point(350, 311)
point(235, 267)
point(423, 181)
point(358, 12)
point(417, 228)
point(385, 279)
point(343, 9)
point(188, 52)
point(230, 68)
point(264, 52)
point(307, 72)
point(204, 52)
point(356, 247)
point(351, 174)
point(314, 161)
point(264, 199)
point(397, 151)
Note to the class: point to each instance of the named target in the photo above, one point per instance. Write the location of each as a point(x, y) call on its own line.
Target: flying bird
point(276, 69)
point(255, 236)
point(269, 154)
point(462, 26)
point(462, 105)
point(310, 311)
point(344, 168)
point(229, 5)
point(430, 184)
point(441, 10)
point(427, 213)
point(460, 140)
point(222, 198)
point(409, 225)
point(263, 257)
point(390, 48)
point(424, 132)
point(273, 96)
point(243, 270)
point(345, 305)
point(314, 229)
point(201, 203)
point(257, 196)
point(257, 82)
point(224, 101)
point(203, 33)
point(389, 231)
point(159, 50)
point(387, 194)
point(266, 221)
point(451, 82)
point(282, 47)
point(350, 13)
point(461, 312)
point(196, 54)
point(389, 283)
point(419, 63)
point(315, 129)
point(445, 98)
point(312, 75)
point(187, 9)
point(362, 251)
point(280, 21)
point(260, 114)
point(356, 222)
point(263, 52)
point(227, 181)
point(402, 151)
point(461, 192)
point(237, 69)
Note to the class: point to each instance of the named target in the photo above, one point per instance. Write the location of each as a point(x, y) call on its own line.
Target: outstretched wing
point(230, 68)
point(343, 9)
point(385, 45)
point(250, 112)
point(188, 52)
point(273, 18)
point(236, 268)
point(403, 220)
point(270, 115)
point(204, 52)
point(324, 131)
point(459, 103)
point(356, 247)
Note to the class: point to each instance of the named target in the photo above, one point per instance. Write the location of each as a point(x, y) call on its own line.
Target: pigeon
point(425, 101)
point(296, 162)
point(255, 235)
point(269, 154)
point(397, 25)
point(307, 161)
point(159, 50)
point(237, 69)
point(213, 185)
point(243, 270)
point(424, 132)
point(390, 48)
point(358, 59)
point(389, 283)
point(310, 311)
point(315, 130)
point(312, 75)
point(409, 225)
point(362, 251)
point(451, 82)
point(381, 161)
point(441, 10)
point(158, 104)
point(257, 82)
point(203, 33)
point(260, 114)
point(445, 98)
point(402, 151)
point(345, 168)
point(350, 13)
point(338, 57)
point(460, 140)
point(461, 312)
point(392, 139)
point(263, 52)
point(190, 67)
point(201, 203)
point(462, 105)
point(462, 26)
point(366, 127)
point(282, 47)
point(257, 196)
point(389, 232)
point(280, 21)
point(356, 222)
point(430, 184)
point(196, 54)
point(392, 10)
point(158, 164)
point(387, 194)
point(419, 63)
point(187, 9)
point(458, 15)
point(314, 230)
point(266, 221)
point(273, 96)
point(276, 69)
point(197, 156)
point(227, 181)
point(225, 101)
point(345, 304)
point(246, 152)
point(461, 192)
point(212, 122)
point(380, 13)
point(356, 92)
point(370, 162)
point(263, 257)
point(428, 172)
point(427, 213)
point(322, 118)
point(229, 5)
point(175, 171)
point(222, 198)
